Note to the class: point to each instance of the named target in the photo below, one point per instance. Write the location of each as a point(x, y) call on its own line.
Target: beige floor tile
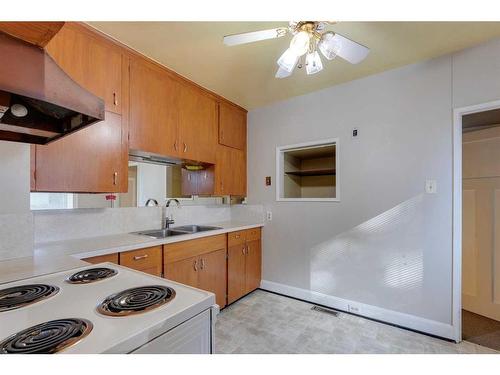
point(264, 322)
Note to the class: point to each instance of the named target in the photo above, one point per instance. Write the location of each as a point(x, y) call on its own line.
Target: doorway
point(477, 187)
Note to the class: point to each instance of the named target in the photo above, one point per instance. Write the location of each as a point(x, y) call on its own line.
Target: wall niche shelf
point(307, 171)
point(313, 172)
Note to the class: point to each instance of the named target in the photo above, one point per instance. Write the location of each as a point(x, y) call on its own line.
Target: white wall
point(151, 183)
point(387, 246)
point(16, 228)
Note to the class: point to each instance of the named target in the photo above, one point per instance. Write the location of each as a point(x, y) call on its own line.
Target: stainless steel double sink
point(177, 231)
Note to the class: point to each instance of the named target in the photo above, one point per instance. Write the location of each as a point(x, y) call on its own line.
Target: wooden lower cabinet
point(212, 275)
point(235, 272)
point(243, 263)
point(200, 263)
point(183, 271)
point(113, 258)
point(148, 260)
point(253, 266)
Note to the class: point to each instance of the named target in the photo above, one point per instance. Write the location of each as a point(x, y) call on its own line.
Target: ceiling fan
point(308, 38)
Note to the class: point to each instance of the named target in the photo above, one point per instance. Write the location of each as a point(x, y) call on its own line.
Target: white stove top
point(109, 334)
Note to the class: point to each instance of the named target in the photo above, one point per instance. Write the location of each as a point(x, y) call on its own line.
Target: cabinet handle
point(247, 248)
point(139, 257)
point(237, 236)
point(202, 265)
point(115, 178)
point(185, 146)
point(195, 265)
point(175, 145)
point(243, 250)
point(115, 99)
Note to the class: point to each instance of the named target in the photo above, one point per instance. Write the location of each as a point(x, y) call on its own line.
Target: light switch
point(431, 187)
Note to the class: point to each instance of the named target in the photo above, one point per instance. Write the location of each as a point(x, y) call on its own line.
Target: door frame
point(457, 210)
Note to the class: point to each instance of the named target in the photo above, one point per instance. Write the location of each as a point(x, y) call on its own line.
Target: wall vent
point(325, 310)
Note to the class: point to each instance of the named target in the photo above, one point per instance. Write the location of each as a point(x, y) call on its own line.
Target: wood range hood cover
point(39, 102)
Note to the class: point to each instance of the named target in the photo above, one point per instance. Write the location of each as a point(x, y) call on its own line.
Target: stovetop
point(115, 314)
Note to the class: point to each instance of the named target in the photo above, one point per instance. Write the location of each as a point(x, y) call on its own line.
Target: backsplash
point(16, 232)
point(60, 225)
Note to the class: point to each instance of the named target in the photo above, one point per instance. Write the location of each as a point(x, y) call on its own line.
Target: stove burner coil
point(47, 338)
point(136, 300)
point(91, 275)
point(23, 295)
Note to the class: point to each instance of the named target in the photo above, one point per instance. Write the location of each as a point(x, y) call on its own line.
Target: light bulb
point(288, 60)
point(329, 45)
point(300, 43)
point(313, 63)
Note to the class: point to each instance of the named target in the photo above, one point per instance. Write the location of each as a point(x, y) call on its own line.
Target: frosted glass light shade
point(329, 45)
point(282, 73)
point(313, 63)
point(300, 43)
point(288, 60)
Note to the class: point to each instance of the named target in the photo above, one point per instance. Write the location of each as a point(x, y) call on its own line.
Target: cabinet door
point(230, 171)
point(189, 182)
point(183, 271)
point(236, 281)
point(239, 173)
point(212, 275)
point(197, 125)
point(91, 61)
point(89, 160)
point(232, 126)
point(206, 181)
point(253, 266)
point(153, 109)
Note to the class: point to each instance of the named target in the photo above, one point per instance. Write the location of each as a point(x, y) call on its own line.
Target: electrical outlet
point(269, 215)
point(353, 309)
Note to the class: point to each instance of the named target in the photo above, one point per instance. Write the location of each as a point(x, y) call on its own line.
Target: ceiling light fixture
point(308, 38)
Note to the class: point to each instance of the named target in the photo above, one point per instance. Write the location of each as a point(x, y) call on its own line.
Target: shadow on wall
point(381, 258)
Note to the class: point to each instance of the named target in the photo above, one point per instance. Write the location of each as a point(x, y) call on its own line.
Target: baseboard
point(412, 322)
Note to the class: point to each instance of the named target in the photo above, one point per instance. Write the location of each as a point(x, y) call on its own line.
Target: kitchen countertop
point(58, 256)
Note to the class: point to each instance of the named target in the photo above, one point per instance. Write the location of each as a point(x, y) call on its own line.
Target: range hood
point(148, 157)
point(39, 102)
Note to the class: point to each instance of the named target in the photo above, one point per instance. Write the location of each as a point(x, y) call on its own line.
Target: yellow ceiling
point(245, 74)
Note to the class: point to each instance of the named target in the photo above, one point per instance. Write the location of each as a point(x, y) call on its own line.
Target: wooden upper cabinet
point(198, 182)
point(153, 109)
point(230, 171)
point(197, 125)
point(91, 61)
point(90, 160)
point(232, 126)
point(37, 33)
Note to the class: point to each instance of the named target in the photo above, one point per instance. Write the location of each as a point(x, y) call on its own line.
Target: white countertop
point(57, 256)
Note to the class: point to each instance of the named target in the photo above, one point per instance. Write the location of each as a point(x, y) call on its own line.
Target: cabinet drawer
point(253, 234)
point(147, 260)
point(113, 258)
point(187, 249)
point(235, 238)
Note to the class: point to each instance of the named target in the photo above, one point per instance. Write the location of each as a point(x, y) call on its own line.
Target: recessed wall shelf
point(307, 171)
point(313, 172)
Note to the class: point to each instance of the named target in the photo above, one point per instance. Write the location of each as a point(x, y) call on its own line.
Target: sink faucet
point(173, 200)
point(154, 201)
point(168, 221)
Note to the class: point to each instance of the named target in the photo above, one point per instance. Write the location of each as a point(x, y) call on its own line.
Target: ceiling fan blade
point(254, 36)
point(350, 50)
